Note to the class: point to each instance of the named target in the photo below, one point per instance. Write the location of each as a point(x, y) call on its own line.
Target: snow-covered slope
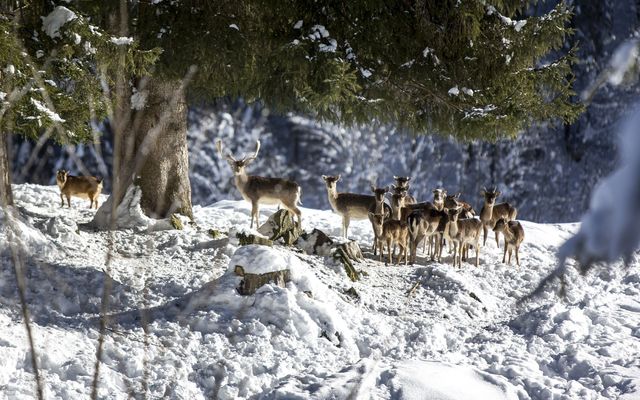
point(460, 335)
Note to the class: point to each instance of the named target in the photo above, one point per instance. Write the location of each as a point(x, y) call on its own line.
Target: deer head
point(238, 166)
point(490, 196)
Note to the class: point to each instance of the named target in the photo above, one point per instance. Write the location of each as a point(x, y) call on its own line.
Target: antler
point(228, 156)
point(255, 154)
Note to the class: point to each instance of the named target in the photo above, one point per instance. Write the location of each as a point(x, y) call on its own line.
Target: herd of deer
point(404, 223)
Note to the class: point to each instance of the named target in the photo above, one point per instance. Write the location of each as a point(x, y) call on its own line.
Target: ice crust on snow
point(56, 19)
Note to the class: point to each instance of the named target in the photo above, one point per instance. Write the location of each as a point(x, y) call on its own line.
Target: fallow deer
point(402, 183)
point(262, 190)
point(349, 205)
point(390, 232)
point(380, 208)
point(492, 212)
point(463, 232)
point(513, 238)
point(423, 225)
point(85, 187)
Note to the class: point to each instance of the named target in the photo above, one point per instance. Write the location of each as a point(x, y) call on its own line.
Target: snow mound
point(129, 214)
point(52, 23)
point(14, 230)
point(424, 380)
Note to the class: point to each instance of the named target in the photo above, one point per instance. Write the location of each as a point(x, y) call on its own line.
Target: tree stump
point(281, 225)
point(245, 239)
point(316, 242)
point(251, 282)
point(345, 253)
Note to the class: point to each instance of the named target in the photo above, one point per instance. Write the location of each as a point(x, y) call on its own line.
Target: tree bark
point(6, 196)
point(161, 150)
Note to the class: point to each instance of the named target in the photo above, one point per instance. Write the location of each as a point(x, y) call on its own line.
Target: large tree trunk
point(6, 196)
point(161, 139)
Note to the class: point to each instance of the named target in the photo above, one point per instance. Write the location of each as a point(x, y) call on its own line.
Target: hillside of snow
point(460, 335)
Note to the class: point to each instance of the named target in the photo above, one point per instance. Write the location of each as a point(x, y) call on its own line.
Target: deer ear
point(373, 188)
point(498, 194)
point(395, 177)
point(337, 178)
point(324, 178)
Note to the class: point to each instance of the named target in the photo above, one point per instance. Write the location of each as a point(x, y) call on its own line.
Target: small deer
point(513, 238)
point(463, 232)
point(423, 225)
point(380, 208)
point(402, 183)
point(349, 205)
point(492, 212)
point(390, 232)
point(262, 190)
point(85, 187)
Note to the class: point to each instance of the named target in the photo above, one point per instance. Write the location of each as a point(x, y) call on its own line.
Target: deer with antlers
point(262, 190)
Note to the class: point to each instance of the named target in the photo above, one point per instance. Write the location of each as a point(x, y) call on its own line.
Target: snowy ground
point(460, 335)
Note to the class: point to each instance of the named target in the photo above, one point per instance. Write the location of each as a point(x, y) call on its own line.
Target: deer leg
point(345, 225)
point(380, 248)
point(498, 240)
point(389, 251)
point(486, 231)
point(62, 199)
point(404, 250)
point(518, 255)
point(294, 209)
point(69, 200)
point(254, 212)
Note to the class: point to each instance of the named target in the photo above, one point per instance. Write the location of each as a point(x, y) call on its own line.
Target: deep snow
point(460, 335)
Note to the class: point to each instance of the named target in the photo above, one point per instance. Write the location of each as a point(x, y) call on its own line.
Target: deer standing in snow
point(350, 205)
point(462, 232)
point(390, 232)
point(262, 190)
point(513, 238)
point(424, 225)
point(85, 187)
point(492, 212)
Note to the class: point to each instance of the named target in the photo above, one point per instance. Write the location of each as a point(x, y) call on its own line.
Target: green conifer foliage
point(468, 68)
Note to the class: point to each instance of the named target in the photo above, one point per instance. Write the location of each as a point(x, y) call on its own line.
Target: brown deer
point(349, 205)
point(380, 208)
point(402, 183)
point(513, 238)
point(390, 232)
point(462, 232)
point(85, 187)
point(424, 225)
point(492, 212)
point(262, 190)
